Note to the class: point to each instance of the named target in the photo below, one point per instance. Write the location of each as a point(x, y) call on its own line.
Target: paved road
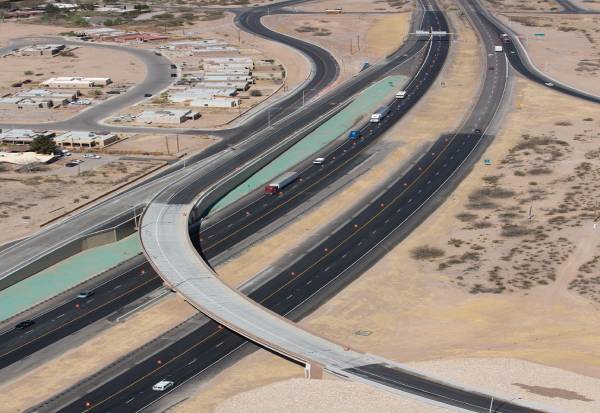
point(119, 208)
point(326, 262)
point(180, 361)
point(520, 60)
point(28, 342)
point(71, 316)
point(158, 77)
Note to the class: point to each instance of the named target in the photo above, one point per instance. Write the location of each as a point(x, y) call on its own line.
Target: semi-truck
point(281, 182)
point(379, 114)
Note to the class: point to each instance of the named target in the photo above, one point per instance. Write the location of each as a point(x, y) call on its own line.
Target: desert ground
point(31, 198)
point(504, 294)
point(502, 6)
point(373, 36)
point(403, 140)
point(569, 51)
point(354, 5)
point(13, 30)
point(593, 5)
point(296, 67)
point(159, 145)
point(481, 262)
point(124, 70)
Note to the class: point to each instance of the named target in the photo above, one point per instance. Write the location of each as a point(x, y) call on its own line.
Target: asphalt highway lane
point(132, 390)
point(516, 60)
point(30, 341)
point(264, 209)
point(77, 313)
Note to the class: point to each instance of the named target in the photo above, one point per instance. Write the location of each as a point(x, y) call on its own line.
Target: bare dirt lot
point(297, 68)
point(488, 280)
point(569, 49)
point(151, 144)
point(14, 30)
point(123, 69)
point(372, 37)
point(523, 5)
point(32, 198)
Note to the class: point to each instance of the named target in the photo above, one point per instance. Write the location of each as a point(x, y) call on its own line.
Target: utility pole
point(358, 42)
point(177, 143)
point(167, 144)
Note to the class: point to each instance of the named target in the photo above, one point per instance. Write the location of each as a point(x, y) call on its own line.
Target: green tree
point(43, 144)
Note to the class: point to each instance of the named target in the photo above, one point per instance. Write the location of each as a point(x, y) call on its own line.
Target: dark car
point(71, 164)
point(173, 66)
point(476, 130)
point(491, 67)
point(147, 95)
point(25, 324)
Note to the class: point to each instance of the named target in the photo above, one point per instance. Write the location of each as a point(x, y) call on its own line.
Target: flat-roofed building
point(227, 78)
point(224, 85)
point(42, 50)
point(76, 139)
point(233, 60)
point(199, 93)
point(22, 136)
point(167, 116)
point(76, 82)
point(215, 102)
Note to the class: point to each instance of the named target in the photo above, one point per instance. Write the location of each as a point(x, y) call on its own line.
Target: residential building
point(76, 139)
point(76, 82)
point(224, 85)
point(167, 116)
point(41, 50)
point(215, 102)
point(22, 136)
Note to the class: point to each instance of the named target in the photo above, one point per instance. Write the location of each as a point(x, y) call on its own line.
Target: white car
point(88, 155)
point(96, 157)
point(162, 385)
point(77, 161)
point(319, 161)
point(549, 84)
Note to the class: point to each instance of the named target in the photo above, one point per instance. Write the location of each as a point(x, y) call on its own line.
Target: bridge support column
point(313, 371)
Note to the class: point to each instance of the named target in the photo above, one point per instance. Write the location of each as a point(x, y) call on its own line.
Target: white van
point(162, 385)
point(401, 94)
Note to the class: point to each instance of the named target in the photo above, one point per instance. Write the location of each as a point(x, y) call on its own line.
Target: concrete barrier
point(83, 243)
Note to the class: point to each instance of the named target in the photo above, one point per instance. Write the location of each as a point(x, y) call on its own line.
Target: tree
point(43, 144)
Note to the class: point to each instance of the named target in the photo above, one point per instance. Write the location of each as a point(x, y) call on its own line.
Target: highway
point(207, 345)
point(222, 344)
point(18, 344)
point(349, 154)
point(71, 316)
point(119, 208)
point(519, 58)
point(331, 259)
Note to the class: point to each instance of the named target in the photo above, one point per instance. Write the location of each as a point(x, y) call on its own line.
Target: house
point(168, 116)
point(22, 136)
point(76, 82)
point(76, 139)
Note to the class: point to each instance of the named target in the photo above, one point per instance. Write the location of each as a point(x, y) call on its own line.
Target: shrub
point(426, 252)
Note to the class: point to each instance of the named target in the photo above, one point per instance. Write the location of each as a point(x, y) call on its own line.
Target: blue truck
point(354, 134)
